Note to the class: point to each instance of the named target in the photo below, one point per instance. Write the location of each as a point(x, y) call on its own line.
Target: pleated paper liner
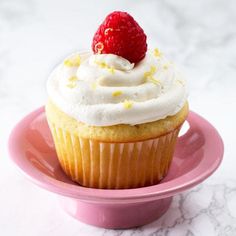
point(96, 164)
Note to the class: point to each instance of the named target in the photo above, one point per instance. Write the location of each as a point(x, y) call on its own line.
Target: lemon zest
point(73, 79)
point(157, 52)
point(150, 73)
point(72, 61)
point(111, 70)
point(166, 66)
point(181, 82)
point(154, 81)
point(72, 84)
point(117, 93)
point(104, 65)
point(127, 104)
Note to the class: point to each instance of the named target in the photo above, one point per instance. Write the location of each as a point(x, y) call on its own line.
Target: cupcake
point(115, 112)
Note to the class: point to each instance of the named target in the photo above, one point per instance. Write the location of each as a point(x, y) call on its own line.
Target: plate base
point(115, 216)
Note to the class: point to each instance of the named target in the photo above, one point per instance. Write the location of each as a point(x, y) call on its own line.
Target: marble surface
point(200, 36)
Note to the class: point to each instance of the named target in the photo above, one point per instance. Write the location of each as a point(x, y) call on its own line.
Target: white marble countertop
point(198, 35)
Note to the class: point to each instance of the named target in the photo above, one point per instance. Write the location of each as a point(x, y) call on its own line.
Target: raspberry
point(121, 35)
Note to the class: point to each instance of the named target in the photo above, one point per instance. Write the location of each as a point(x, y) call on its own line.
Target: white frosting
point(153, 89)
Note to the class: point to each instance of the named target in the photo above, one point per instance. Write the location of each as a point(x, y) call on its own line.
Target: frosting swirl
point(105, 89)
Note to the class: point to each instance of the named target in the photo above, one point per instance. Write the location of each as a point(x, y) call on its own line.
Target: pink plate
point(198, 154)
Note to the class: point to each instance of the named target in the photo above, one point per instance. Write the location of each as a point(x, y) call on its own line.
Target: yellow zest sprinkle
point(101, 64)
point(153, 70)
point(146, 74)
point(104, 65)
point(127, 104)
point(94, 85)
point(99, 47)
point(111, 70)
point(107, 30)
point(73, 79)
point(150, 73)
point(166, 66)
point(68, 63)
point(157, 52)
point(72, 61)
point(154, 81)
point(116, 93)
point(71, 84)
point(181, 82)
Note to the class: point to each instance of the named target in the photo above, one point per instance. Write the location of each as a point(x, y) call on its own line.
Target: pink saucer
point(198, 154)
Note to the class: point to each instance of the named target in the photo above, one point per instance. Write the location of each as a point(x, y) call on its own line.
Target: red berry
point(120, 34)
